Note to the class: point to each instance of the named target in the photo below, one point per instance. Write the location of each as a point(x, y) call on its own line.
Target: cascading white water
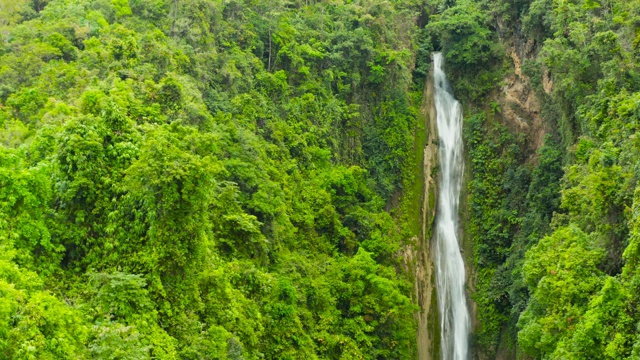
point(450, 271)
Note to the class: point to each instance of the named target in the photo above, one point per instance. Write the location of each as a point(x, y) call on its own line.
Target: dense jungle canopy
point(242, 179)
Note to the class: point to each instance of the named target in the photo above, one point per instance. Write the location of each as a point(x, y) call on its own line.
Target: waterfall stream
point(450, 271)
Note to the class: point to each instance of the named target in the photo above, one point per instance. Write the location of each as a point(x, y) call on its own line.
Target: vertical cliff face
point(513, 129)
point(551, 102)
point(521, 110)
point(428, 333)
point(520, 113)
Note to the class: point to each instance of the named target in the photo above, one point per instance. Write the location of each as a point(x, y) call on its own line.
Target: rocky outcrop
point(428, 324)
point(520, 106)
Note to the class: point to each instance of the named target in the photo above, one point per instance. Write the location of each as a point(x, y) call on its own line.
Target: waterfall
point(450, 271)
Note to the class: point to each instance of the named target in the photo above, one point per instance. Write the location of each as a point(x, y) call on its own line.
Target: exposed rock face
point(521, 112)
point(520, 107)
point(424, 282)
point(547, 83)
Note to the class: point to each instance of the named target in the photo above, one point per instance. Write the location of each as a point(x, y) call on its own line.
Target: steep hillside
point(204, 179)
point(252, 179)
point(552, 107)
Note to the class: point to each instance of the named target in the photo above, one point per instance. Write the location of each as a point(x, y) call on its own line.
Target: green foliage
point(537, 21)
point(205, 180)
point(566, 277)
point(561, 272)
point(473, 54)
point(33, 322)
point(509, 206)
